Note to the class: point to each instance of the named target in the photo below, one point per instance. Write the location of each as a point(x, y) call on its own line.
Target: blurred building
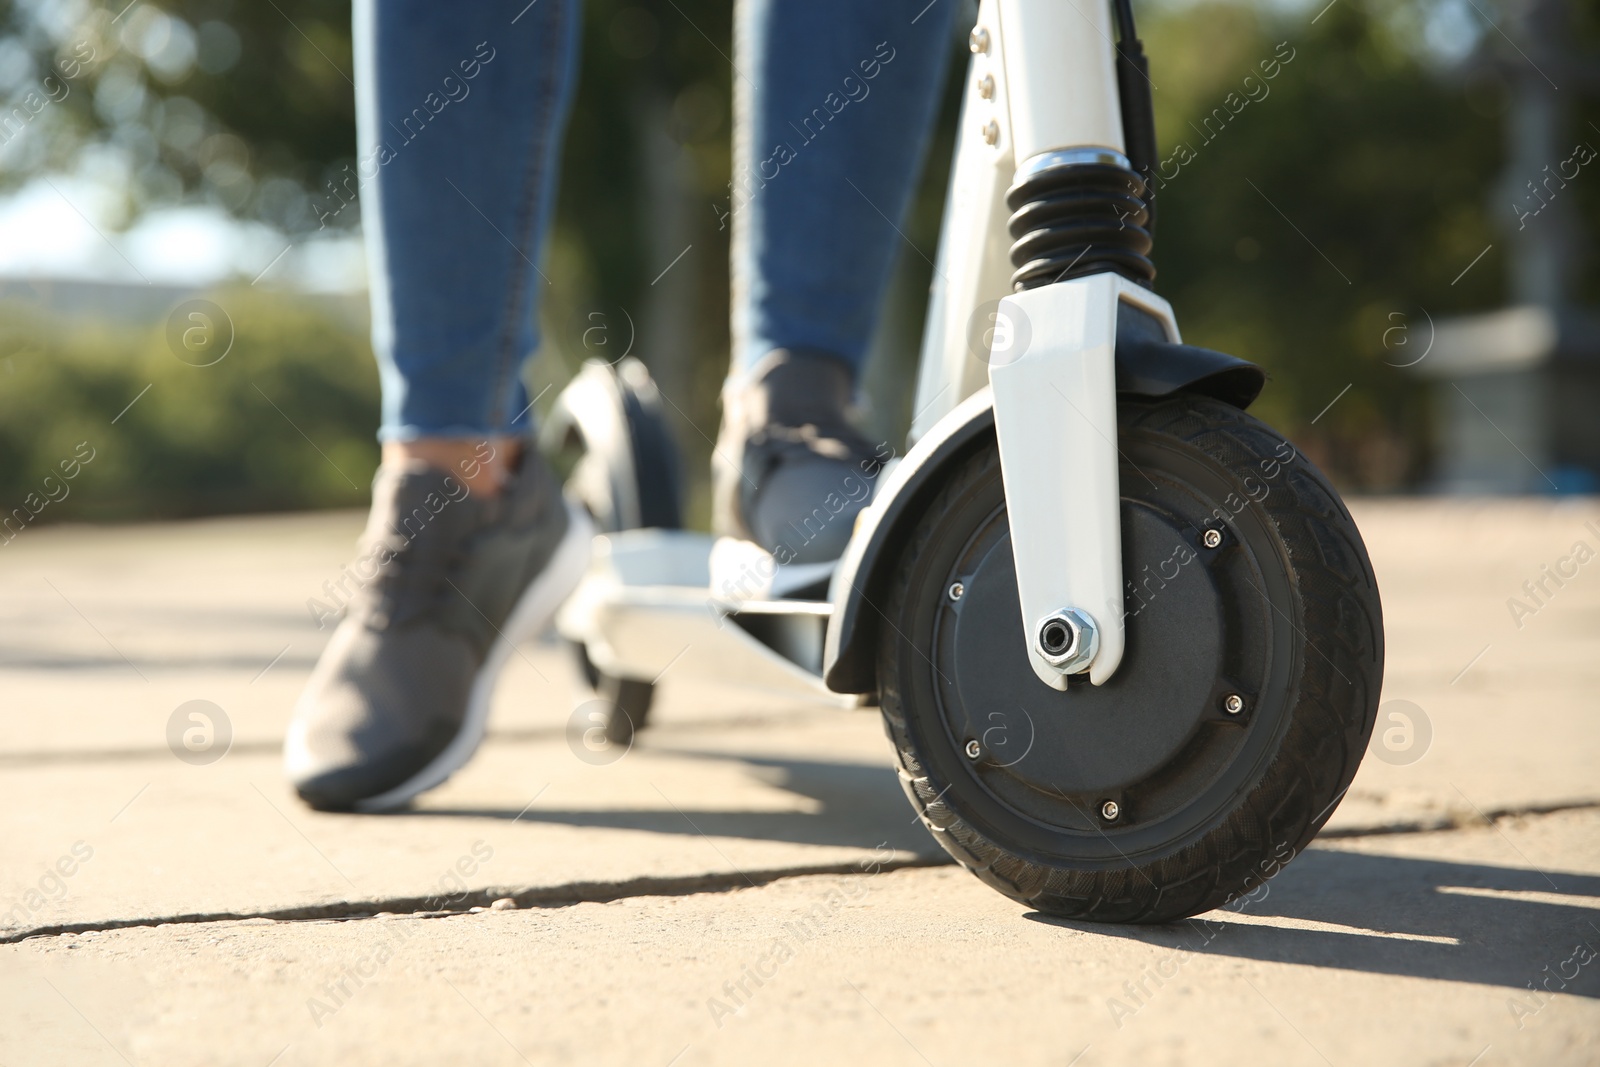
point(133, 304)
point(1518, 390)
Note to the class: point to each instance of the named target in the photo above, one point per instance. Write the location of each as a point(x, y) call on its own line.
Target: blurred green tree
point(1325, 208)
point(243, 105)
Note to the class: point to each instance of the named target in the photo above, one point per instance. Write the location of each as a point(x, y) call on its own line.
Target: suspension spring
point(1077, 219)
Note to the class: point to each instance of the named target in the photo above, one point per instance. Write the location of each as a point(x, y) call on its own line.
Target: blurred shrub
point(1319, 178)
point(284, 421)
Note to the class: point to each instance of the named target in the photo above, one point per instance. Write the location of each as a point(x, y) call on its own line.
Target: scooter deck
point(647, 608)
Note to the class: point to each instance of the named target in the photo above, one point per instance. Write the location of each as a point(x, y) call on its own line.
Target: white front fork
point(1055, 414)
point(1043, 88)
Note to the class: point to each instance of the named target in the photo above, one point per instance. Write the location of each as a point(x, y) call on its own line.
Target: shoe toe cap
point(343, 788)
point(809, 506)
point(375, 714)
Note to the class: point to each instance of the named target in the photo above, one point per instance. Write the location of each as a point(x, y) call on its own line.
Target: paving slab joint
point(428, 907)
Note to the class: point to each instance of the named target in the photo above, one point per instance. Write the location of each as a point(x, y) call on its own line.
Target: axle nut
point(1068, 640)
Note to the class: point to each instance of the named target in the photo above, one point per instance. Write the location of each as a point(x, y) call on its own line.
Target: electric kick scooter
point(1125, 639)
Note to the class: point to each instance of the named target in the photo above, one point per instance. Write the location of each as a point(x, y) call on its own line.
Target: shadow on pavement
point(859, 806)
point(1399, 916)
point(1411, 917)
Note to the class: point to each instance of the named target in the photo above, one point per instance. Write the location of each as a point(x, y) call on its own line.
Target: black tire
point(1284, 610)
point(630, 704)
point(656, 485)
point(628, 699)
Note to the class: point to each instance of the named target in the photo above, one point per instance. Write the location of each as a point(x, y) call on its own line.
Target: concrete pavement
point(748, 881)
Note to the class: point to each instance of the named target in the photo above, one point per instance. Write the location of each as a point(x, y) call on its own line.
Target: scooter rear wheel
point(609, 431)
point(627, 700)
point(1233, 725)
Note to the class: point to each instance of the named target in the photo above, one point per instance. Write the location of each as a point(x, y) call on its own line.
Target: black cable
point(1124, 14)
point(1138, 110)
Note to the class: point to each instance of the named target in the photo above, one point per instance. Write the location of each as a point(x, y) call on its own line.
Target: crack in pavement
point(607, 891)
point(1457, 820)
point(427, 907)
point(568, 894)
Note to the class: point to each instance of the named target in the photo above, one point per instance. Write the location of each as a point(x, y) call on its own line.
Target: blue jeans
point(461, 108)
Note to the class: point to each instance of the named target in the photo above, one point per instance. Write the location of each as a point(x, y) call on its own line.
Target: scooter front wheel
point(1232, 727)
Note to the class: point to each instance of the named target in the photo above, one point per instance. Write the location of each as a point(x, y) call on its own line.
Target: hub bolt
point(979, 41)
point(1212, 538)
point(1233, 703)
point(974, 750)
point(991, 132)
point(1110, 810)
point(957, 590)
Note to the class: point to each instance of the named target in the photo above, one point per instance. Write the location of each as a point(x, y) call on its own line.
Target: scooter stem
point(1060, 71)
point(1079, 247)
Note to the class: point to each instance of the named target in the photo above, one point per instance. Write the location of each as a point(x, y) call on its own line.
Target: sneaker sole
point(533, 611)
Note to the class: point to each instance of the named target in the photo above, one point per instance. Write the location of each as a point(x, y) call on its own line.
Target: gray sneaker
point(400, 698)
point(804, 471)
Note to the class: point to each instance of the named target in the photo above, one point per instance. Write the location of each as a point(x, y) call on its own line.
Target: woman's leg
point(461, 110)
point(469, 547)
point(835, 100)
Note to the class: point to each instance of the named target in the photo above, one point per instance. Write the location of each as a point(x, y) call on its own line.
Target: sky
point(57, 227)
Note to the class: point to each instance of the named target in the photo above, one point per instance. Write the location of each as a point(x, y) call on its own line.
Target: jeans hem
point(454, 432)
